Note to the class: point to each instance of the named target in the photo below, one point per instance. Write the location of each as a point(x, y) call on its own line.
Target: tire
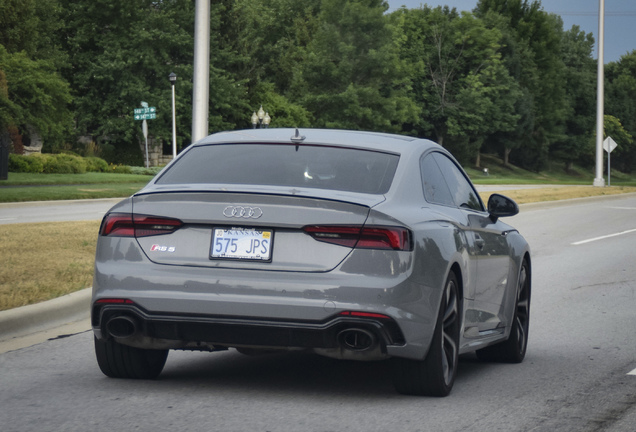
point(435, 375)
point(121, 361)
point(513, 350)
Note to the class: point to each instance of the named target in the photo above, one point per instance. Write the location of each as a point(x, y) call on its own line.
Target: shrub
point(66, 164)
point(17, 163)
point(63, 163)
point(42, 159)
point(145, 171)
point(119, 169)
point(95, 164)
point(25, 164)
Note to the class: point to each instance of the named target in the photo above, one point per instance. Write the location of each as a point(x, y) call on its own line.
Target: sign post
point(145, 113)
point(144, 128)
point(609, 145)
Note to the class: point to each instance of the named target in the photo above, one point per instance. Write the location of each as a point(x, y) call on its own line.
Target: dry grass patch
point(524, 196)
point(42, 261)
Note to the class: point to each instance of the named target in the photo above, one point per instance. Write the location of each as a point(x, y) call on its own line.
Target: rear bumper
point(183, 307)
point(130, 324)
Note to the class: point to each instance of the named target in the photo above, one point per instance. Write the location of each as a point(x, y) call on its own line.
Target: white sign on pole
point(609, 144)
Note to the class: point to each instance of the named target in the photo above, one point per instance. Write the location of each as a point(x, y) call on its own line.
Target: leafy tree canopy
point(33, 94)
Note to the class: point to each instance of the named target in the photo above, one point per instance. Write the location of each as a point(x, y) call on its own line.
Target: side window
point(435, 188)
point(462, 191)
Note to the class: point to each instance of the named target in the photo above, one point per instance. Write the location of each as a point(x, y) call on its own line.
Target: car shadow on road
point(296, 372)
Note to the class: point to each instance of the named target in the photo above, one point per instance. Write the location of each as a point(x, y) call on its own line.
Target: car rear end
point(258, 243)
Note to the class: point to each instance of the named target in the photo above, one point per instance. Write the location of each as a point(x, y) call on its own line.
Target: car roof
point(400, 144)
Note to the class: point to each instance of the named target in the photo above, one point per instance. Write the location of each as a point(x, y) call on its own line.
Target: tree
point(350, 76)
point(34, 98)
point(30, 26)
point(262, 42)
point(624, 155)
point(580, 83)
point(464, 91)
point(33, 95)
point(122, 52)
point(620, 97)
point(532, 55)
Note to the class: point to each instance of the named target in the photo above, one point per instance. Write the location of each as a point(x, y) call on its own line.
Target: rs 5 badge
point(159, 248)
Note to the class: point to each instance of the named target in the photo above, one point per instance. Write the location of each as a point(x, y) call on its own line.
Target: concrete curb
point(26, 320)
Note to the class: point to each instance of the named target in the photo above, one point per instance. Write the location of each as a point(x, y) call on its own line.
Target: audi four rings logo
point(242, 212)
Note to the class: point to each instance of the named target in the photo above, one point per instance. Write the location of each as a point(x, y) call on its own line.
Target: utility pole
point(600, 97)
point(201, 79)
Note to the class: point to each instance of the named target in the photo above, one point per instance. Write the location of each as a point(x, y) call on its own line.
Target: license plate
point(241, 244)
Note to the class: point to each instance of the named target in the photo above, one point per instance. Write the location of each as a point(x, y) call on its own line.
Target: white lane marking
point(602, 237)
point(632, 372)
point(622, 208)
point(6, 219)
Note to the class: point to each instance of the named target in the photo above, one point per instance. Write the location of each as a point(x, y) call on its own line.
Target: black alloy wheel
point(435, 375)
point(514, 349)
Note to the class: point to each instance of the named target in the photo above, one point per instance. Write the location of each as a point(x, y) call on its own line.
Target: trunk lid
point(204, 213)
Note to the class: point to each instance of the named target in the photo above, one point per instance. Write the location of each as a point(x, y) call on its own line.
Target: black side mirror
point(501, 206)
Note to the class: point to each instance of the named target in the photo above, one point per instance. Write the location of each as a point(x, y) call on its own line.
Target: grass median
point(557, 193)
point(22, 187)
point(41, 261)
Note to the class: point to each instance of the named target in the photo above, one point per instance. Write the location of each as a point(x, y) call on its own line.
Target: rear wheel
point(121, 361)
point(513, 350)
point(435, 375)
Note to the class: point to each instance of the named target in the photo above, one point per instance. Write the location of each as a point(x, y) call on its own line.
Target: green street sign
point(147, 110)
point(148, 116)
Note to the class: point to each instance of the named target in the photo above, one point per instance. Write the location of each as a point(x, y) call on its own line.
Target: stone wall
point(35, 144)
point(155, 153)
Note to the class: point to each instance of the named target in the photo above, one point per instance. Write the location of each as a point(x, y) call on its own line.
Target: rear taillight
point(362, 237)
point(114, 301)
point(364, 315)
point(340, 235)
point(127, 225)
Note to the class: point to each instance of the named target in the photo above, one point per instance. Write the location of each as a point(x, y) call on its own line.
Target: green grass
point(47, 187)
point(17, 179)
point(554, 174)
point(66, 192)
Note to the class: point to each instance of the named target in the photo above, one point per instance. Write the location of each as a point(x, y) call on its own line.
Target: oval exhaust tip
point(121, 327)
point(356, 339)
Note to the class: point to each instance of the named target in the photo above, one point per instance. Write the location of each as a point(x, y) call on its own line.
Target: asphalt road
point(55, 211)
point(576, 376)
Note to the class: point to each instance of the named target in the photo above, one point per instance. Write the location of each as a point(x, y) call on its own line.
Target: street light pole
point(201, 78)
point(173, 80)
point(600, 97)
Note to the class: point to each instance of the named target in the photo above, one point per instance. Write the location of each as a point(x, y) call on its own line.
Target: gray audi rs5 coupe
point(352, 245)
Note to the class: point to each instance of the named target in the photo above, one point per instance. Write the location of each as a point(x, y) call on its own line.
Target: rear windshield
point(303, 166)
